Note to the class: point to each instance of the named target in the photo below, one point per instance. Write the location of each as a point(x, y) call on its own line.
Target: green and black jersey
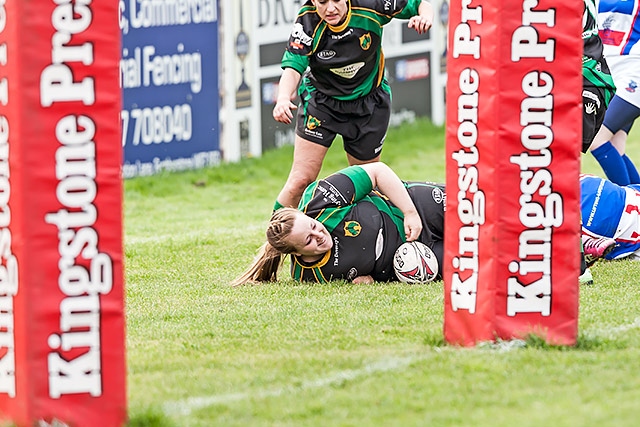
point(365, 227)
point(594, 68)
point(345, 62)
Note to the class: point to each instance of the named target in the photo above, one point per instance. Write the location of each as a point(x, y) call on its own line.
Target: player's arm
point(389, 184)
point(282, 111)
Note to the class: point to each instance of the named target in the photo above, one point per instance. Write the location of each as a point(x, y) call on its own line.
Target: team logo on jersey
point(365, 41)
point(352, 228)
point(313, 123)
point(437, 194)
point(352, 274)
point(632, 87)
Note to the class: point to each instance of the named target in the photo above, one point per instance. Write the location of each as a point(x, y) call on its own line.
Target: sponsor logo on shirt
point(343, 35)
point(336, 253)
point(330, 194)
point(349, 71)
point(299, 37)
point(326, 54)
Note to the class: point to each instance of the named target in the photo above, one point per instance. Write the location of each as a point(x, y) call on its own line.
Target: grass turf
point(201, 353)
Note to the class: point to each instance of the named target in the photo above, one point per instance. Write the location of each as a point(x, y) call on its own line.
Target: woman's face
point(309, 236)
point(333, 12)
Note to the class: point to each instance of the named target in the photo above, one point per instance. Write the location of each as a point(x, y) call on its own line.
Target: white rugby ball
point(415, 262)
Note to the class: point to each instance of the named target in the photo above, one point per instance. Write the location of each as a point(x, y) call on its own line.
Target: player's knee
point(298, 182)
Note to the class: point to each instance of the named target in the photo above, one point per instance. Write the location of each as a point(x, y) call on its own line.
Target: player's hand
point(420, 23)
point(282, 112)
point(412, 226)
point(363, 280)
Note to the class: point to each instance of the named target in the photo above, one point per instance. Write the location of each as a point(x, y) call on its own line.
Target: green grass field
point(201, 353)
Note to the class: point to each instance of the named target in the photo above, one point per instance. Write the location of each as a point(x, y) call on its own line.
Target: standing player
point(334, 60)
point(610, 218)
point(619, 23)
point(597, 84)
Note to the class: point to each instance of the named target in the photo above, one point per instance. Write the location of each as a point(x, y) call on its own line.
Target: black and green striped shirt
point(345, 62)
point(594, 68)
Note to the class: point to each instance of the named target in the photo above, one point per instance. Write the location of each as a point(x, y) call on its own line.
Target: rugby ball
point(415, 262)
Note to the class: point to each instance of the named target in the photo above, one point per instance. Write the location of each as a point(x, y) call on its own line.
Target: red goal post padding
point(513, 139)
point(62, 329)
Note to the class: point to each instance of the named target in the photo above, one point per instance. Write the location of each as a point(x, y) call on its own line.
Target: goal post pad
point(62, 327)
point(513, 138)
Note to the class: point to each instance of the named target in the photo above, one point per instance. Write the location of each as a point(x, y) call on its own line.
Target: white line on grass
point(185, 407)
point(620, 329)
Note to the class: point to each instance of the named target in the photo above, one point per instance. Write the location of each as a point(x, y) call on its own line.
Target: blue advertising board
point(169, 77)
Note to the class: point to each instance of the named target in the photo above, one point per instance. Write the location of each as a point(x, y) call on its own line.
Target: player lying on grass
point(610, 219)
point(349, 225)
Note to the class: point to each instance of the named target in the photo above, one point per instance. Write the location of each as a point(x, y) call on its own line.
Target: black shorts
point(362, 122)
point(430, 201)
point(593, 109)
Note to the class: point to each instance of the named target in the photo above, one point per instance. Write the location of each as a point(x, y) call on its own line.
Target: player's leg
point(603, 136)
point(307, 162)
point(608, 145)
point(353, 161)
point(608, 156)
point(314, 136)
point(619, 141)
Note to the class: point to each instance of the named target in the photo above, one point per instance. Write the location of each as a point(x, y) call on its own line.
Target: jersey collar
point(319, 263)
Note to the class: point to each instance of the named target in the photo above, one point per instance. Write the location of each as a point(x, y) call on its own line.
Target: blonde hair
point(272, 254)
